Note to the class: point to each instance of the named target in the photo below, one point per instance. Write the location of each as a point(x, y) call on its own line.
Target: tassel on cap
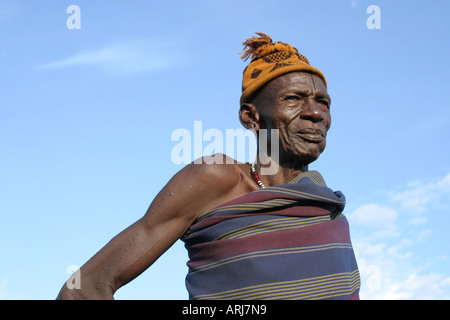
point(254, 43)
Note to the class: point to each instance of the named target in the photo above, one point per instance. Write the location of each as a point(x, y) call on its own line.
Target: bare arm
point(192, 191)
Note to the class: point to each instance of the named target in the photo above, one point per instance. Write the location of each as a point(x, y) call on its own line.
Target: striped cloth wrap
point(283, 242)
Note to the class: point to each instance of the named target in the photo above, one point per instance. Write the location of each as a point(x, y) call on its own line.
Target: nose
point(311, 111)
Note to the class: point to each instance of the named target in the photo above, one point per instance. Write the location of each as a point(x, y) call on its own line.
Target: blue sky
point(86, 118)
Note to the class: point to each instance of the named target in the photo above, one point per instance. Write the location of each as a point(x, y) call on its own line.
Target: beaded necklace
point(255, 176)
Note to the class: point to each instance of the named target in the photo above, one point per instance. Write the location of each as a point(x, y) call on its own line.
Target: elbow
point(70, 294)
point(85, 291)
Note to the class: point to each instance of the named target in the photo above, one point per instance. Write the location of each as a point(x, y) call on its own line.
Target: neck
point(266, 167)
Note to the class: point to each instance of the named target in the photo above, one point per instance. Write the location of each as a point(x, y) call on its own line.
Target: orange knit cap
point(268, 61)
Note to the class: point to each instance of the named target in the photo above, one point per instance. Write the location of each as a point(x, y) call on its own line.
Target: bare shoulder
point(217, 168)
point(200, 186)
point(215, 176)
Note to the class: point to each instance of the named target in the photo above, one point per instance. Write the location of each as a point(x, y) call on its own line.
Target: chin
point(311, 155)
point(300, 157)
point(307, 159)
point(304, 154)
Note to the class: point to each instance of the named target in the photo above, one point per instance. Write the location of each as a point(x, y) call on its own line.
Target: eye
point(325, 103)
point(292, 97)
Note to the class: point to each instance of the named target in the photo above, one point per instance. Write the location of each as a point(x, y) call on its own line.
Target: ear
point(249, 116)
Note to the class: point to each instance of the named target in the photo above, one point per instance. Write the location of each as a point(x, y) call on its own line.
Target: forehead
point(297, 81)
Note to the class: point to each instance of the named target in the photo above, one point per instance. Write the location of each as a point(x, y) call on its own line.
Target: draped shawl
point(288, 241)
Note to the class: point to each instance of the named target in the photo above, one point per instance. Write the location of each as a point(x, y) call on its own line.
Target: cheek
point(327, 121)
point(284, 135)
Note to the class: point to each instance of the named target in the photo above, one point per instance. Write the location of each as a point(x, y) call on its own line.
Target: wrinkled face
point(299, 106)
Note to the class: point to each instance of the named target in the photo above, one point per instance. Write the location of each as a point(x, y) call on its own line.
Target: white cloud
point(386, 239)
point(375, 216)
point(424, 287)
point(124, 58)
point(388, 272)
point(423, 235)
point(417, 220)
point(420, 195)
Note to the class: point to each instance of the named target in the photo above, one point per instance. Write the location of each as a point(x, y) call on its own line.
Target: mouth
point(312, 135)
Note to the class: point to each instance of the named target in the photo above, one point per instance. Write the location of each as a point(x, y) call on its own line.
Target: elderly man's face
point(299, 106)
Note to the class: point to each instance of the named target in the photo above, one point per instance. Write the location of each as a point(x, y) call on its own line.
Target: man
point(249, 235)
